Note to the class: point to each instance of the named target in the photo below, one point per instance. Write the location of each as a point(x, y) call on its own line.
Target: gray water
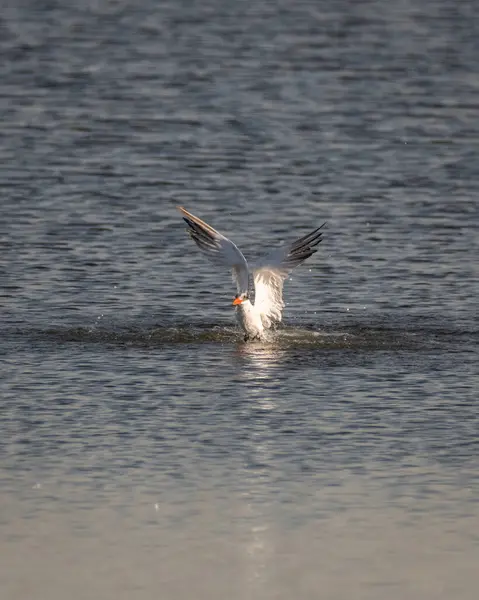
point(146, 451)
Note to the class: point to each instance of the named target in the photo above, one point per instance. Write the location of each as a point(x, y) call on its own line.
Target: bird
point(265, 313)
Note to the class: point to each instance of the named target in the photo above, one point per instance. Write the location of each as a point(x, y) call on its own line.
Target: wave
point(355, 337)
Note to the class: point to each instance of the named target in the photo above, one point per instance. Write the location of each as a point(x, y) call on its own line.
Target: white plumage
point(268, 277)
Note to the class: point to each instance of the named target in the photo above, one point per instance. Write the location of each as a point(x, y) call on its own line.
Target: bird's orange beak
point(237, 301)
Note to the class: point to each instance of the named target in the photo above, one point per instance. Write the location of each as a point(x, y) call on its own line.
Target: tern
point(268, 277)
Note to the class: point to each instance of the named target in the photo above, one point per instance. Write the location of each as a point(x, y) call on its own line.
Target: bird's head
point(239, 298)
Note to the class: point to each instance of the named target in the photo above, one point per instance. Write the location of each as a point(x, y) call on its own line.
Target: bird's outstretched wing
point(273, 269)
point(218, 248)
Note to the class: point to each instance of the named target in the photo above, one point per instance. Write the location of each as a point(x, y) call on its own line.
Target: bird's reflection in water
point(259, 364)
point(262, 356)
point(257, 368)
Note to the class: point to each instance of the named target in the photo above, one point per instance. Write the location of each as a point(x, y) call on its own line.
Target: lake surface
point(146, 451)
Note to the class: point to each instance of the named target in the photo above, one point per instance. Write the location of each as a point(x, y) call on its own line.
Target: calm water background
point(145, 451)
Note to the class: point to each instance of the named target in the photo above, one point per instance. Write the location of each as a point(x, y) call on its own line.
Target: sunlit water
point(146, 451)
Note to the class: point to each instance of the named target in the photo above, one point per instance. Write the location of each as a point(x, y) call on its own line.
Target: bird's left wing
point(218, 248)
point(273, 270)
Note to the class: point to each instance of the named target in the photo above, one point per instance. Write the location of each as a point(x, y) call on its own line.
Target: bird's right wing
point(273, 270)
point(218, 248)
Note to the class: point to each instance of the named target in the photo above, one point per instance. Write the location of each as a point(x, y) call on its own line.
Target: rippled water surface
point(146, 450)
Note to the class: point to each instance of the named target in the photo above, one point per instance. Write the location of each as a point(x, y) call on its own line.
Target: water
point(146, 451)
